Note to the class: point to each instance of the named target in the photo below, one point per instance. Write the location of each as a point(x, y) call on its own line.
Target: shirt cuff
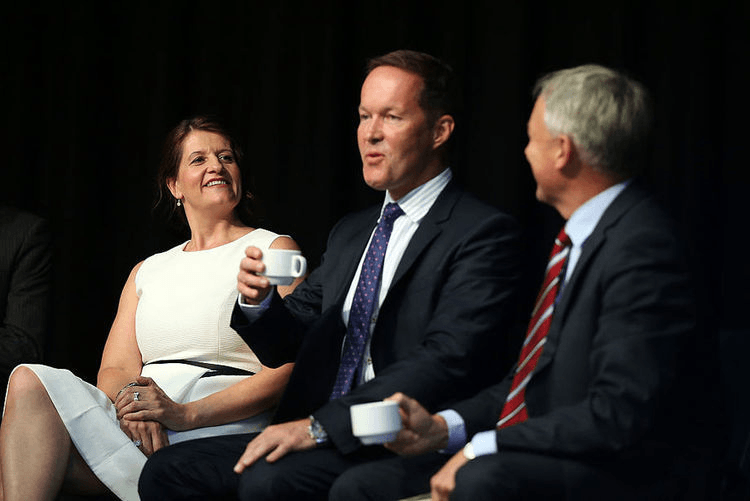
point(456, 431)
point(253, 311)
point(484, 443)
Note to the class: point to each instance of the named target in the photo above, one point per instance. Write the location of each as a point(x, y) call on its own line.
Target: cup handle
point(300, 266)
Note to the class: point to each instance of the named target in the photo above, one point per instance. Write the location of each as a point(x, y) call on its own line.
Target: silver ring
point(137, 443)
point(136, 396)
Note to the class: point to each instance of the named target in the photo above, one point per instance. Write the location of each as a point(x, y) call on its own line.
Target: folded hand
point(149, 436)
point(147, 402)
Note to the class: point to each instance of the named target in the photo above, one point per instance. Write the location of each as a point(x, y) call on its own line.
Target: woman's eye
point(226, 158)
point(197, 160)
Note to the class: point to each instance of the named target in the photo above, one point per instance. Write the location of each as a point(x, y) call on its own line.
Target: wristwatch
point(316, 431)
point(469, 451)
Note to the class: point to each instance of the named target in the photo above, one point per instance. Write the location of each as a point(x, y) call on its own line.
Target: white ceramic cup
point(283, 265)
point(376, 422)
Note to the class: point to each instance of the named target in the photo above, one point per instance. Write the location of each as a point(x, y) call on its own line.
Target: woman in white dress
point(172, 368)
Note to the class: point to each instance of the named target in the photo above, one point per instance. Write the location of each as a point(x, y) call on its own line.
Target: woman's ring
point(136, 396)
point(137, 443)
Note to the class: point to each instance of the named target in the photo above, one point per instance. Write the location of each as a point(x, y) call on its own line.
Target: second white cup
point(376, 422)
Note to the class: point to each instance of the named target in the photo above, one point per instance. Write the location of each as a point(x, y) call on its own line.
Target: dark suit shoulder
point(354, 221)
point(637, 221)
point(20, 229)
point(14, 220)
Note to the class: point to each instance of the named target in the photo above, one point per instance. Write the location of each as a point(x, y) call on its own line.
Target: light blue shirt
point(579, 227)
point(415, 204)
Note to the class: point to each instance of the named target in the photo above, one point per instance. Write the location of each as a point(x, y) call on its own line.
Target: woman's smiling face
point(208, 173)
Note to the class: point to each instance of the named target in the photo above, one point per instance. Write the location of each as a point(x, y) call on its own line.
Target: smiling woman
point(172, 368)
point(200, 151)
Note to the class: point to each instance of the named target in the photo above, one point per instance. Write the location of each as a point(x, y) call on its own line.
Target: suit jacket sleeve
point(26, 299)
point(621, 338)
point(276, 336)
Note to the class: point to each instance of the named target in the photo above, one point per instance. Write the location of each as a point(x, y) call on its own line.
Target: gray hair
point(607, 115)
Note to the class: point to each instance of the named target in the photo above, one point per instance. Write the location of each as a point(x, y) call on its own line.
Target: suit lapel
point(429, 228)
point(353, 250)
point(619, 206)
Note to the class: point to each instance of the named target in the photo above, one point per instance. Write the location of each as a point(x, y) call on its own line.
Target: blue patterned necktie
point(365, 296)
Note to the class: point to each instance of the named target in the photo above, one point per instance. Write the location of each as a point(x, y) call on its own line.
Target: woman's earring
point(179, 202)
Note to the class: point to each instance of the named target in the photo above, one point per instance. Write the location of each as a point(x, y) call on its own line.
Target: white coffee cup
point(376, 422)
point(283, 265)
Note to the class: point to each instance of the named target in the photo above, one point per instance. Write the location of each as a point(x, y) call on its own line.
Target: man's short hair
point(438, 96)
point(607, 115)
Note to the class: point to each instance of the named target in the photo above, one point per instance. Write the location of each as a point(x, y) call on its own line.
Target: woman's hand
point(149, 436)
point(147, 402)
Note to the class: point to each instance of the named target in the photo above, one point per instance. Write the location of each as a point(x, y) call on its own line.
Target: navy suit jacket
point(612, 381)
point(444, 327)
point(25, 279)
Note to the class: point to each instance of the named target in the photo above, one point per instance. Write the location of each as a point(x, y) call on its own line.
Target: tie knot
point(391, 212)
point(562, 240)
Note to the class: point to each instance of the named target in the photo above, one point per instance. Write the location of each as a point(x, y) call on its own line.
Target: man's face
point(540, 153)
point(395, 139)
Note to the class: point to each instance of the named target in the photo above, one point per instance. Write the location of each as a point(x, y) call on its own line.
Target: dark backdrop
point(89, 93)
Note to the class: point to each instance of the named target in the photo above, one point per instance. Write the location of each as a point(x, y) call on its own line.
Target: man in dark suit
point(597, 406)
point(441, 315)
point(25, 278)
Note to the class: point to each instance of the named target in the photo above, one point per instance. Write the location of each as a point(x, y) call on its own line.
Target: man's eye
point(393, 118)
point(363, 116)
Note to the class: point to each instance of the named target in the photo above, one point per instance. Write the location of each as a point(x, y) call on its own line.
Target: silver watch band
point(317, 432)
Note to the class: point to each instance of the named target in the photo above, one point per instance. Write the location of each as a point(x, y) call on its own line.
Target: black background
point(89, 92)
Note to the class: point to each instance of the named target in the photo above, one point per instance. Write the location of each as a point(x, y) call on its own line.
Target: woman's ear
point(172, 186)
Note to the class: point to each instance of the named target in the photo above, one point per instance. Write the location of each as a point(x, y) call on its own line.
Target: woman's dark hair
point(169, 166)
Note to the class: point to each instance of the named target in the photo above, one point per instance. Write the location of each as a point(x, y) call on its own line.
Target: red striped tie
point(514, 410)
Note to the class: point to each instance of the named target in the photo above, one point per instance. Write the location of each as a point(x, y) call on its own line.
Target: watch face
point(469, 451)
point(317, 432)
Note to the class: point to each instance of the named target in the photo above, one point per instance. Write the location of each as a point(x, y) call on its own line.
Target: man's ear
point(442, 131)
point(565, 150)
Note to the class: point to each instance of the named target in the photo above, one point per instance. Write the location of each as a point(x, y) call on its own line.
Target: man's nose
point(375, 131)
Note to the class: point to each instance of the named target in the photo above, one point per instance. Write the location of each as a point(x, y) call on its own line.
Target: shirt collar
point(583, 221)
point(418, 201)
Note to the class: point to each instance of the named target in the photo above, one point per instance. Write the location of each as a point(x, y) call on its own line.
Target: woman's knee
point(24, 383)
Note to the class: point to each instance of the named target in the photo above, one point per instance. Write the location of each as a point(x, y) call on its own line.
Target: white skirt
point(91, 419)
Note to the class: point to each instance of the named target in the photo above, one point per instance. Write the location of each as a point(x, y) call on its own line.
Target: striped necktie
point(514, 410)
point(363, 304)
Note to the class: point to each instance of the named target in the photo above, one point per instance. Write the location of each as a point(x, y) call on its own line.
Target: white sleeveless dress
point(183, 313)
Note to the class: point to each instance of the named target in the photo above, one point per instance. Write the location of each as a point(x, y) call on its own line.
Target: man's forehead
point(395, 76)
